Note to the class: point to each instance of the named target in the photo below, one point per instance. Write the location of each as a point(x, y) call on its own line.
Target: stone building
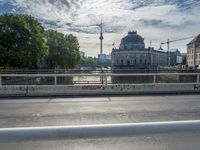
point(193, 52)
point(133, 54)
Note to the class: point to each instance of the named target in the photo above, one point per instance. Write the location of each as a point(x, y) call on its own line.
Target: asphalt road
point(103, 110)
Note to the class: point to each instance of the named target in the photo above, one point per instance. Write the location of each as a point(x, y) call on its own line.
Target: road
point(37, 112)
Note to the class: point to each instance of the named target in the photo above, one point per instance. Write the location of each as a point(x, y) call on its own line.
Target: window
point(122, 62)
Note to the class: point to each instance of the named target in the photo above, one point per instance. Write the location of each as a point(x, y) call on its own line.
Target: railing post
point(0, 81)
point(101, 77)
point(105, 79)
point(154, 78)
point(27, 82)
point(55, 80)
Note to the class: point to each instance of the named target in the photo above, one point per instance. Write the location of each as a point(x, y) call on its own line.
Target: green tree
point(63, 50)
point(184, 60)
point(22, 41)
point(88, 61)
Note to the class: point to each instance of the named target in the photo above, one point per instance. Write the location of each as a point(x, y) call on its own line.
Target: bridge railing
point(98, 78)
point(97, 131)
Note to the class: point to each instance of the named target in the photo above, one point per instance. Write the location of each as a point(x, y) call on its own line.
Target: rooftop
point(195, 40)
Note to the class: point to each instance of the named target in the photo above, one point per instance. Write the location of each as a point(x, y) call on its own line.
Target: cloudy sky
point(155, 20)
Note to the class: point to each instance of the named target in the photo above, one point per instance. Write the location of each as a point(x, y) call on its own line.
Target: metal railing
point(98, 78)
point(95, 131)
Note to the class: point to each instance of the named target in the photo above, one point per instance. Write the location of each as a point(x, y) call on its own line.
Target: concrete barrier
point(62, 90)
point(102, 87)
point(95, 131)
point(13, 90)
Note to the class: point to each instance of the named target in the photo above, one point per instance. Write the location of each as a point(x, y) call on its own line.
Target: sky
point(154, 20)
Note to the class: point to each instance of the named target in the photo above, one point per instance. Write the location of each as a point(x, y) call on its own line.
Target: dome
point(132, 41)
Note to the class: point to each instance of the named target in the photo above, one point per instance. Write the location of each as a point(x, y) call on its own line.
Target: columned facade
point(133, 54)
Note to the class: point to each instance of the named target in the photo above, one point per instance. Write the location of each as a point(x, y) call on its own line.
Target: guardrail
point(98, 78)
point(96, 131)
point(72, 84)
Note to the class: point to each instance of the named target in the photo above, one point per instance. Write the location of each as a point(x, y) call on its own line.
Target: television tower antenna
point(101, 39)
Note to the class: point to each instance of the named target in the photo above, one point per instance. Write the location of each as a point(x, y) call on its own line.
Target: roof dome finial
point(132, 32)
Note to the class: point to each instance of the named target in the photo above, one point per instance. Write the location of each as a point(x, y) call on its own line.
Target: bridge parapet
point(98, 83)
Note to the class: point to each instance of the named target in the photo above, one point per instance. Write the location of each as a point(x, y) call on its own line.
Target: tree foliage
point(184, 62)
point(63, 50)
point(88, 61)
point(22, 41)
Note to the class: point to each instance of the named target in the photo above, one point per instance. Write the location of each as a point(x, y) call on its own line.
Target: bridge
point(143, 122)
point(99, 110)
point(97, 83)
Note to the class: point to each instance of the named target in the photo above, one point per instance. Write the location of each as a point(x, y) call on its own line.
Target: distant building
point(193, 52)
point(104, 57)
point(133, 54)
point(104, 60)
point(175, 57)
point(82, 54)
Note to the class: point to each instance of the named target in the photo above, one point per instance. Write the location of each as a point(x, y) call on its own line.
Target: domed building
point(132, 41)
point(133, 54)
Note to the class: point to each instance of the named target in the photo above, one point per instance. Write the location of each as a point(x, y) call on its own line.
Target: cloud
point(155, 20)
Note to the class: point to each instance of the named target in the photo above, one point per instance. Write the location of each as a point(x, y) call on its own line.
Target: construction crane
point(172, 41)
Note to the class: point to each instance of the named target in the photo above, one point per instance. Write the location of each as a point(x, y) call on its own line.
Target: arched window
point(128, 62)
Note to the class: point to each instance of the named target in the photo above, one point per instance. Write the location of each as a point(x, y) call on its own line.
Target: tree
point(63, 50)
point(22, 41)
point(184, 62)
point(88, 61)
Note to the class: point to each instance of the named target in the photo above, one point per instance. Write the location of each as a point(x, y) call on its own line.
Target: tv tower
point(101, 39)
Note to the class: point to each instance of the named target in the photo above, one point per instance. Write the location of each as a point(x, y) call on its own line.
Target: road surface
point(39, 112)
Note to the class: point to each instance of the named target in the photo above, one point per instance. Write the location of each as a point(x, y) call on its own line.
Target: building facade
point(104, 60)
point(82, 54)
point(133, 54)
point(193, 52)
point(104, 57)
point(175, 57)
